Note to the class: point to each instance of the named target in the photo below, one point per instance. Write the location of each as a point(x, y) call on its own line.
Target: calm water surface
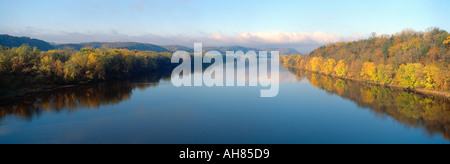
point(310, 108)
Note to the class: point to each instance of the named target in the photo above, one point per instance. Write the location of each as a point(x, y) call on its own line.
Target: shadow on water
point(81, 97)
point(429, 112)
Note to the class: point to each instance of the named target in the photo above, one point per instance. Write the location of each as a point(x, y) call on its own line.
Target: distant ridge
point(175, 48)
point(117, 45)
point(12, 41)
point(224, 49)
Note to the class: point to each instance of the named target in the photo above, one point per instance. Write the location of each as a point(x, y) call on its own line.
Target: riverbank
point(15, 95)
point(415, 90)
point(13, 89)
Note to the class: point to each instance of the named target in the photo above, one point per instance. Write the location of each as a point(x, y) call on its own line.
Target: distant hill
point(117, 45)
point(284, 51)
point(223, 50)
point(11, 41)
point(175, 48)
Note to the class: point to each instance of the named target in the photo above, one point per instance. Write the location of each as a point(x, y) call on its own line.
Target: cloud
point(280, 37)
point(269, 39)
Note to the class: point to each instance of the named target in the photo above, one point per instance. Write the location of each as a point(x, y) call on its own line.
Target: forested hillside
point(116, 45)
point(11, 41)
point(409, 59)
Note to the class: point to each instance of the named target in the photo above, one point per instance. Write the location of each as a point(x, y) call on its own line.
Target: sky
point(254, 23)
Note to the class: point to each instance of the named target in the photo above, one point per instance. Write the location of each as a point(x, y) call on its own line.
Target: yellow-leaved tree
point(368, 71)
point(329, 66)
point(45, 67)
point(2, 63)
point(315, 63)
point(447, 41)
point(341, 68)
point(384, 74)
point(431, 73)
point(408, 75)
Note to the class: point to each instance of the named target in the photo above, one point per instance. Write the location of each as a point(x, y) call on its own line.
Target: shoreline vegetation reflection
point(430, 112)
point(81, 97)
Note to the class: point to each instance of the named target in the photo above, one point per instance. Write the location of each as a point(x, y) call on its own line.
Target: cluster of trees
point(411, 109)
point(72, 66)
point(409, 58)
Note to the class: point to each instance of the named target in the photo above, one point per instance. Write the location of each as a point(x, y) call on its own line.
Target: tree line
point(409, 59)
point(72, 66)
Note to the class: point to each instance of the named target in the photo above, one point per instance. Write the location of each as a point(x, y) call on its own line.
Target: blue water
point(162, 113)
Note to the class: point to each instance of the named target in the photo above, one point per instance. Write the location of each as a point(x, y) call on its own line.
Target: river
point(309, 108)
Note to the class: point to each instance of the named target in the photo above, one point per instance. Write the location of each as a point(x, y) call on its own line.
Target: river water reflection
point(310, 108)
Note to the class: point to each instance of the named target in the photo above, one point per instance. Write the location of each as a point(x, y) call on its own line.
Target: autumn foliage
point(71, 66)
point(409, 109)
point(409, 59)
